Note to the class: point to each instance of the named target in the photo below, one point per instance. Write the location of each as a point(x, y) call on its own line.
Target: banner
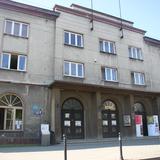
point(153, 125)
point(139, 125)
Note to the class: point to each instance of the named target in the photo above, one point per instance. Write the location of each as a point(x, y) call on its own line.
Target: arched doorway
point(140, 110)
point(11, 113)
point(73, 119)
point(110, 124)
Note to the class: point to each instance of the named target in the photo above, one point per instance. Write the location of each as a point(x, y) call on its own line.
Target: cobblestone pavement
point(132, 150)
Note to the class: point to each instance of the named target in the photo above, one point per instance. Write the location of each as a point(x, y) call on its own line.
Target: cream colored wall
point(90, 52)
point(39, 48)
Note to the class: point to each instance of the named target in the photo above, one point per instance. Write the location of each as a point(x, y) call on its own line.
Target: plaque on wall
point(127, 120)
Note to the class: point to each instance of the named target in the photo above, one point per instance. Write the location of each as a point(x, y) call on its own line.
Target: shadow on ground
point(78, 146)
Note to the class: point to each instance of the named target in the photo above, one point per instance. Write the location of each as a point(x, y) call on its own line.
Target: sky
point(144, 13)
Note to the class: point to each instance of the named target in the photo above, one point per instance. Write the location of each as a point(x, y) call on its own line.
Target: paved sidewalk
point(132, 150)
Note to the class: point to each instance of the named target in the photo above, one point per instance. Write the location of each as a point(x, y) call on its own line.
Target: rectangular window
point(12, 61)
point(110, 74)
point(138, 78)
point(135, 53)
point(73, 39)
point(73, 69)
point(107, 47)
point(16, 28)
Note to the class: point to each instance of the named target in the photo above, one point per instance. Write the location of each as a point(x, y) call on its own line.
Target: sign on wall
point(127, 120)
point(37, 110)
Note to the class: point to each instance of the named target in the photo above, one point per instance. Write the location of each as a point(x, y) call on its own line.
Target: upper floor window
point(107, 46)
point(73, 69)
point(110, 74)
point(138, 78)
point(73, 39)
point(13, 61)
point(135, 53)
point(16, 28)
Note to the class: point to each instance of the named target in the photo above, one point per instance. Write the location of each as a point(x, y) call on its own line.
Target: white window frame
point(70, 74)
point(12, 28)
point(76, 39)
point(9, 62)
point(109, 46)
point(18, 68)
point(140, 76)
point(14, 117)
point(138, 53)
point(111, 74)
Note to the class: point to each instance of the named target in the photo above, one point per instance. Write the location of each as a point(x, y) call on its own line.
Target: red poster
point(138, 119)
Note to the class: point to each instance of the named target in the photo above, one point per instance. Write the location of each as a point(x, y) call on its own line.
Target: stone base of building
point(4, 141)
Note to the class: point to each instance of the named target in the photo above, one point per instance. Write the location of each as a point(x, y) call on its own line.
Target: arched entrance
point(110, 127)
point(72, 119)
point(140, 110)
point(11, 113)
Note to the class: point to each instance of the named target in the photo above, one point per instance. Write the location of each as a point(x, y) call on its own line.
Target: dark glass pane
point(79, 40)
point(18, 114)
point(80, 70)
point(22, 62)
point(16, 29)
point(24, 30)
point(8, 28)
point(5, 61)
point(66, 38)
point(73, 39)
point(72, 104)
point(14, 60)
point(66, 68)
point(73, 69)
point(101, 45)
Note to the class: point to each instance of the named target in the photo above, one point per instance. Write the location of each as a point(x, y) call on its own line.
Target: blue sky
point(144, 13)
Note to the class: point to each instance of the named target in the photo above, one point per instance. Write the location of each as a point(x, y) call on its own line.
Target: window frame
point(13, 27)
point(138, 54)
point(9, 62)
point(76, 39)
point(111, 74)
point(14, 108)
point(140, 76)
point(70, 69)
point(108, 42)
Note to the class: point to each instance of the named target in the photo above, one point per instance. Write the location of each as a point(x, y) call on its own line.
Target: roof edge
point(152, 41)
point(97, 18)
point(28, 9)
point(98, 12)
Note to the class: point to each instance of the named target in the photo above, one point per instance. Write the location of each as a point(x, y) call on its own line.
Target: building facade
point(26, 45)
point(75, 69)
point(101, 79)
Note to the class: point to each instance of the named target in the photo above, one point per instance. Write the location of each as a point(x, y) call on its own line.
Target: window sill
point(13, 70)
point(16, 36)
point(73, 77)
point(115, 82)
point(108, 53)
point(73, 46)
point(134, 59)
point(140, 85)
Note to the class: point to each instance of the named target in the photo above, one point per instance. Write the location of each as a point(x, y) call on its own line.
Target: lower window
point(11, 113)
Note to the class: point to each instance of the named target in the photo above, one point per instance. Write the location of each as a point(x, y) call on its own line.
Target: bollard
point(65, 146)
point(120, 145)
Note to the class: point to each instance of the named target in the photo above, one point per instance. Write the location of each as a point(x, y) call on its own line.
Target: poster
point(139, 125)
point(153, 125)
point(127, 120)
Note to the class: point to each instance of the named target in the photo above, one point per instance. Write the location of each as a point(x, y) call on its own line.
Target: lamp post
point(120, 145)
